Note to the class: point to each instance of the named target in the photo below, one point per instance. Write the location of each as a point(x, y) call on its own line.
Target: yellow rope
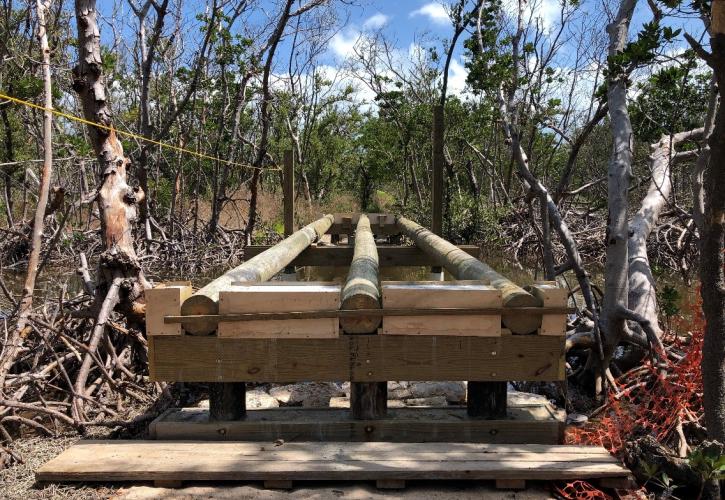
point(121, 132)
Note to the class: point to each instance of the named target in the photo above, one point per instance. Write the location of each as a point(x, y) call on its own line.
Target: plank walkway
point(391, 464)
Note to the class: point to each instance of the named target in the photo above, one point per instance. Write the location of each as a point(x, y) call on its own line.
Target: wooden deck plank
point(524, 424)
point(189, 461)
point(358, 358)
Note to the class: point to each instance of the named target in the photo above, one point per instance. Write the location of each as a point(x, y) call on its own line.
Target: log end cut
point(360, 324)
point(521, 322)
point(199, 304)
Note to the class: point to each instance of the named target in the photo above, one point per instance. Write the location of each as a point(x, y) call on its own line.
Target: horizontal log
point(362, 290)
point(260, 268)
point(465, 267)
point(358, 358)
point(381, 224)
point(341, 256)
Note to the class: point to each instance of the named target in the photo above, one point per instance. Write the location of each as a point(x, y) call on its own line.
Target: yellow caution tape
point(121, 132)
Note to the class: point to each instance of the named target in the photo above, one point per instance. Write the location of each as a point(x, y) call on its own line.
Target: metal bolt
point(222, 431)
point(493, 374)
point(370, 374)
point(369, 429)
point(493, 353)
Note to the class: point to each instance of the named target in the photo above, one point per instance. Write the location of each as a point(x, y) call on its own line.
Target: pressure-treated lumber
point(358, 358)
point(260, 268)
point(527, 422)
point(551, 295)
point(431, 295)
point(279, 297)
point(361, 290)
point(162, 300)
point(465, 267)
point(135, 460)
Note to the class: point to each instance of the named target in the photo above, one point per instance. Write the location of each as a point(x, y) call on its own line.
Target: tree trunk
point(620, 172)
point(117, 201)
point(712, 246)
point(15, 342)
point(642, 297)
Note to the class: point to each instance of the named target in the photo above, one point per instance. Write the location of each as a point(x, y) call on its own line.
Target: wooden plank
point(523, 424)
point(341, 256)
point(162, 300)
point(436, 294)
point(237, 461)
point(381, 224)
point(280, 296)
point(551, 295)
point(358, 358)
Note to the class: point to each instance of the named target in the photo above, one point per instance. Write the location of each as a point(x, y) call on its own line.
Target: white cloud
point(457, 74)
point(376, 21)
point(343, 42)
point(547, 12)
point(433, 10)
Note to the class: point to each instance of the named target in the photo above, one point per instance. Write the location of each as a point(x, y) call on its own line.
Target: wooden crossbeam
point(358, 358)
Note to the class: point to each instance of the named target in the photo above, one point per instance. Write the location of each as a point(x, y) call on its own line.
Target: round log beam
point(361, 290)
point(465, 267)
point(260, 268)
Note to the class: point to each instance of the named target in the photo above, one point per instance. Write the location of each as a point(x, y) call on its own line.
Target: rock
point(204, 403)
point(340, 402)
point(517, 398)
point(455, 392)
point(395, 403)
point(431, 401)
point(399, 390)
point(576, 419)
point(308, 394)
point(259, 400)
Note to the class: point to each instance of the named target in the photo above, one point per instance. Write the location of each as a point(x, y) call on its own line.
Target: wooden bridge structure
point(244, 327)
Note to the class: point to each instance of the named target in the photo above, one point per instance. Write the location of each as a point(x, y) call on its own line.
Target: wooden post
point(437, 189)
point(437, 162)
point(288, 189)
point(227, 401)
point(260, 268)
point(486, 399)
point(368, 400)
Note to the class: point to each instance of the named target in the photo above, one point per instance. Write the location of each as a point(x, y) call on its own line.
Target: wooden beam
point(465, 267)
point(260, 268)
point(437, 162)
point(526, 422)
point(362, 290)
point(358, 358)
point(341, 256)
point(278, 297)
point(288, 189)
point(425, 297)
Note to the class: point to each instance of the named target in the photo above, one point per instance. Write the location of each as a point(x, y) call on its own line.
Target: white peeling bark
point(642, 297)
point(619, 174)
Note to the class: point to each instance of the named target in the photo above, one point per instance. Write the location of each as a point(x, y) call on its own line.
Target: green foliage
point(669, 300)
point(671, 100)
point(708, 463)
